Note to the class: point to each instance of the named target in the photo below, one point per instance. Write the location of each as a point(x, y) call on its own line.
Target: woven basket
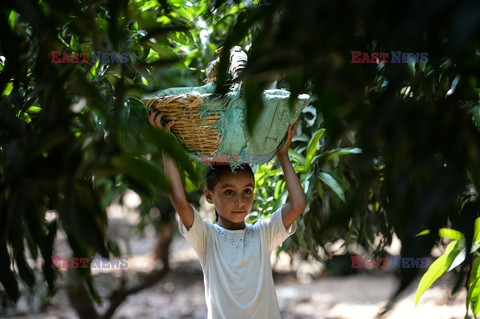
point(209, 123)
point(198, 133)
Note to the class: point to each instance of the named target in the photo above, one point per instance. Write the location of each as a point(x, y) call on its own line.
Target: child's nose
point(239, 201)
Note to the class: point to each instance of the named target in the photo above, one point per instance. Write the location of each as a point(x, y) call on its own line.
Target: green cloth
point(269, 130)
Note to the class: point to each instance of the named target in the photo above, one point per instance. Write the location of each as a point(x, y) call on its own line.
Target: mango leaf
point(254, 104)
point(450, 233)
point(473, 294)
point(319, 189)
point(278, 189)
point(305, 180)
point(475, 247)
point(460, 258)
point(312, 146)
point(91, 218)
point(331, 154)
point(170, 144)
point(11, 19)
point(24, 270)
point(141, 170)
point(343, 151)
point(47, 251)
point(476, 115)
point(332, 183)
point(444, 232)
point(7, 278)
point(476, 232)
point(280, 201)
point(296, 157)
point(424, 232)
point(268, 174)
point(438, 268)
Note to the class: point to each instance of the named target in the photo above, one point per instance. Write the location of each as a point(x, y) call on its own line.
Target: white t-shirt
point(236, 266)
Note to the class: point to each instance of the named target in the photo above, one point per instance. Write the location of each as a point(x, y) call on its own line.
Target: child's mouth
point(239, 212)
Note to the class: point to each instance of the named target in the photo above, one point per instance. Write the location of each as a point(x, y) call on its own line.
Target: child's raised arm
point(297, 200)
point(177, 193)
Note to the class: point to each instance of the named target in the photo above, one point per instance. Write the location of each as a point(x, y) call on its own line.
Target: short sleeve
point(196, 235)
point(275, 231)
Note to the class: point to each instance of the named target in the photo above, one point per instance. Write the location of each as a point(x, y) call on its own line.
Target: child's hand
point(155, 119)
point(176, 193)
point(283, 150)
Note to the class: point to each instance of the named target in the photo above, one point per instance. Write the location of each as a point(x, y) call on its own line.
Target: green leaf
point(74, 43)
point(476, 115)
point(47, 251)
point(460, 258)
point(438, 268)
point(23, 269)
point(254, 103)
point(473, 294)
point(296, 156)
point(424, 232)
point(475, 247)
point(172, 146)
point(163, 52)
point(8, 89)
point(7, 277)
point(259, 180)
point(91, 218)
point(319, 189)
point(312, 146)
point(278, 188)
point(476, 232)
point(11, 19)
point(343, 151)
point(34, 109)
point(444, 232)
point(141, 170)
point(280, 201)
point(332, 183)
point(450, 233)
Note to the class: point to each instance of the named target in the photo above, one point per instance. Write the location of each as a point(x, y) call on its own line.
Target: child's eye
point(228, 192)
point(248, 192)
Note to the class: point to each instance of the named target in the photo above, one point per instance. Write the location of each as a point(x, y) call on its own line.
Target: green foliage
point(74, 136)
point(438, 267)
point(412, 121)
point(473, 296)
point(324, 179)
point(454, 255)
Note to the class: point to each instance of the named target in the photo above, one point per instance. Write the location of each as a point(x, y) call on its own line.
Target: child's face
point(233, 198)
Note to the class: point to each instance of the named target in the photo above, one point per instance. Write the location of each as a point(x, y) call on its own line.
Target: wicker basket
point(209, 123)
point(198, 133)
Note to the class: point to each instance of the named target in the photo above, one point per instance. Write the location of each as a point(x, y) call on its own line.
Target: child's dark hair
point(215, 172)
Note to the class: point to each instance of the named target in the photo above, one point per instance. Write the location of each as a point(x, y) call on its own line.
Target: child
point(235, 256)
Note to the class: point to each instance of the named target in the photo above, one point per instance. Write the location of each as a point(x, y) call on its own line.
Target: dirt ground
point(301, 291)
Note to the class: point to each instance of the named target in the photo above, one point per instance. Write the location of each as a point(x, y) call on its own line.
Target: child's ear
point(208, 195)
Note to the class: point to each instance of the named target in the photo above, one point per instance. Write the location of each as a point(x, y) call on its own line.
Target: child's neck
point(224, 223)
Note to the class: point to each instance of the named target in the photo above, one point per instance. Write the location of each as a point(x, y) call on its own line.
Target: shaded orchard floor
point(181, 294)
point(302, 294)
